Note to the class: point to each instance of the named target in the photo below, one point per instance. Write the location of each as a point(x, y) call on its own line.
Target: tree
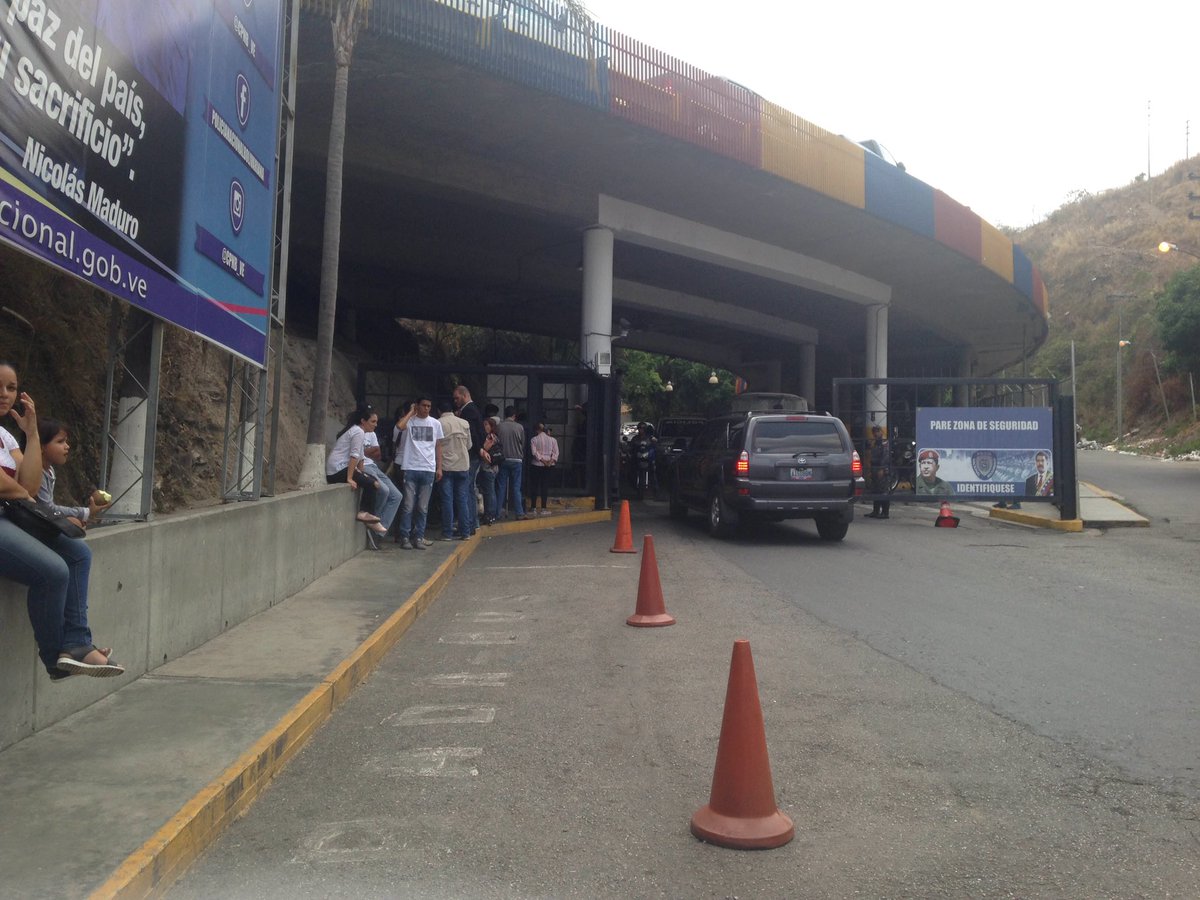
point(347, 21)
point(1177, 309)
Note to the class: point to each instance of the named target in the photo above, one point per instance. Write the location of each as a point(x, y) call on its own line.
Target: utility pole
point(1121, 345)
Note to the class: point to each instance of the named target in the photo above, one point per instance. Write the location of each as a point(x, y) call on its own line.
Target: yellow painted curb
point(540, 523)
point(154, 866)
point(1015, 515)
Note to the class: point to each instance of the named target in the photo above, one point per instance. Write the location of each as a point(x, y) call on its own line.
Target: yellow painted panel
point(806, 154)
point(997, 251)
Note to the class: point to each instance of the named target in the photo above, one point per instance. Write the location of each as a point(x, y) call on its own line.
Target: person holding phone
point(56, 574)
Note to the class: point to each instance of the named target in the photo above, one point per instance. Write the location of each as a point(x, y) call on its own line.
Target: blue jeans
point(472, 503)
point(454, 503)
point(510, 473)
point(487, 485)
point(387, 497)
point(57, 578)
point(418, 485)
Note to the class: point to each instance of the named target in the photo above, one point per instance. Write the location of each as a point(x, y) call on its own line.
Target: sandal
point(72, 662)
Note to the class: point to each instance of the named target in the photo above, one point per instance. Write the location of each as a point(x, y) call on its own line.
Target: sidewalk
point(136, 785)
point(1098, 508)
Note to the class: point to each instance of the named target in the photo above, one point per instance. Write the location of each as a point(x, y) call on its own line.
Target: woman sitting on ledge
point(55, 573)
point(345, 463)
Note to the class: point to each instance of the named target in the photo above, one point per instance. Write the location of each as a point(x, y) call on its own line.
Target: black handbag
point(40, 519)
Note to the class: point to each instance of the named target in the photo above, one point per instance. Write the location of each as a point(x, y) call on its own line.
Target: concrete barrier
point(162, 588)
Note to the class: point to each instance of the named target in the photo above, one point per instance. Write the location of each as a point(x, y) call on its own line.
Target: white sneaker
point(543, 512)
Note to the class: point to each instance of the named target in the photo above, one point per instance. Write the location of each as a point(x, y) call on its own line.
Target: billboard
point(137, 152)
point(985, 452)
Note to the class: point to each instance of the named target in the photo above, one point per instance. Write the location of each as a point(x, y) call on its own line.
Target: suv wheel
point(721, 519)
point(832, 529)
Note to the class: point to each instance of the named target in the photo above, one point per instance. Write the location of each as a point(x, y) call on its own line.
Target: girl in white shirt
point(345, 463)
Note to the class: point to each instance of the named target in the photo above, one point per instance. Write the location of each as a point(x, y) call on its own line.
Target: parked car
point(769, 466)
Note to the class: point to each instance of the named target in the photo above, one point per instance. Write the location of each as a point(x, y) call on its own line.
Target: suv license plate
point(802, 474)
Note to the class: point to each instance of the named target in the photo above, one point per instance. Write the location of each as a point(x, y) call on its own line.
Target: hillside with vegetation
point(1104, 273)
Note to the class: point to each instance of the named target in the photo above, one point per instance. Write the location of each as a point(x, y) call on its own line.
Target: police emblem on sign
point(984, 464)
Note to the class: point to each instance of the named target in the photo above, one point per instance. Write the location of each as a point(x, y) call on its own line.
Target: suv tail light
point(855, 464)
point(742, 466)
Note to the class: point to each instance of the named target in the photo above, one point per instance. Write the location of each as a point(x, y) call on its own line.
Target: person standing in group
point(492, 454)
point(543, 451)
point(512, 442)
point(421, 460)
point(879, 464)
point(469, 413)
point(456, 470)
point(55, 573)
point(388, 496)
point(345, 463)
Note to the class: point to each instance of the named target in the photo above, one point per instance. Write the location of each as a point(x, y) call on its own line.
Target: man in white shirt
point(421, 460)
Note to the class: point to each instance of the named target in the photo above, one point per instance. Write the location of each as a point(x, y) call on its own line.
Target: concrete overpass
point(504, 168)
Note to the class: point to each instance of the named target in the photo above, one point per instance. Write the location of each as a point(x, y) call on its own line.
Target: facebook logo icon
point(242, 99)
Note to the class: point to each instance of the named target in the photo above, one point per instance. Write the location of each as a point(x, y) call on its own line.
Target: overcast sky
point(1008, 108)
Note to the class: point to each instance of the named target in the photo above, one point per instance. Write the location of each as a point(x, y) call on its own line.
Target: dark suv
point(769, 466)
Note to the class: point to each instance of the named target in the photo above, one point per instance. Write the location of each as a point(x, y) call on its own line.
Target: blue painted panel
point(1023, 273)
point(897, 197)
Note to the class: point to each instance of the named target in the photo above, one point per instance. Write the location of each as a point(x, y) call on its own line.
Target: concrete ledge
point(539, 523)
point(159, 589)
point(1037, 521)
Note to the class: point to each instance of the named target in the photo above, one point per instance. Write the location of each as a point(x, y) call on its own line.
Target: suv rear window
point(796, 437)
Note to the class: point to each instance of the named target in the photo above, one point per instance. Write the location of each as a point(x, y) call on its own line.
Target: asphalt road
point(1165, 491)
point(988, 711)
point(1091, 639)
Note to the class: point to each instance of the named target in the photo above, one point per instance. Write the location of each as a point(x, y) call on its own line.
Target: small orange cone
point(651, 611)
point(946, 519)
point(624, 541)
point(741, 813)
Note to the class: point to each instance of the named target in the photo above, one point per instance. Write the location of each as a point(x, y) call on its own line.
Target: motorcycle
point(642, 462)
point(904, 464)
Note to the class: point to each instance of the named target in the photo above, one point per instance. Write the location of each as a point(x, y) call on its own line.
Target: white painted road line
point(442, 715)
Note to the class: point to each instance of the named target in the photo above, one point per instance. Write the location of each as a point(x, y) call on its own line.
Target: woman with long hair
point(491, 454)
point(345, 463)
point(55, 573)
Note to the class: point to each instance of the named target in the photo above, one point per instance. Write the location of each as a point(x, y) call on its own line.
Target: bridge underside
point(465, 199)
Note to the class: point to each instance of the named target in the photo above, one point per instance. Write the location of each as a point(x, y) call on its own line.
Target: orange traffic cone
point(741, 811)
point(651, 611)
point(624, 541)
point(946, 519)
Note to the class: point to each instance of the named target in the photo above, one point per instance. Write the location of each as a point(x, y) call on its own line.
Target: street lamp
point(713, 379)
point(669, 387)
point(1167, 247)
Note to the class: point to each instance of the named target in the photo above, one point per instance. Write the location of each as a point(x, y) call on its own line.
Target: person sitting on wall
point(345, 463)
point(55, 573)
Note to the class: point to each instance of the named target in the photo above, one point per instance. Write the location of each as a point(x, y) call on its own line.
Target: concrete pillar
point(876, 358)
point(962, 392)
point(808, 373)
point(595, 341)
